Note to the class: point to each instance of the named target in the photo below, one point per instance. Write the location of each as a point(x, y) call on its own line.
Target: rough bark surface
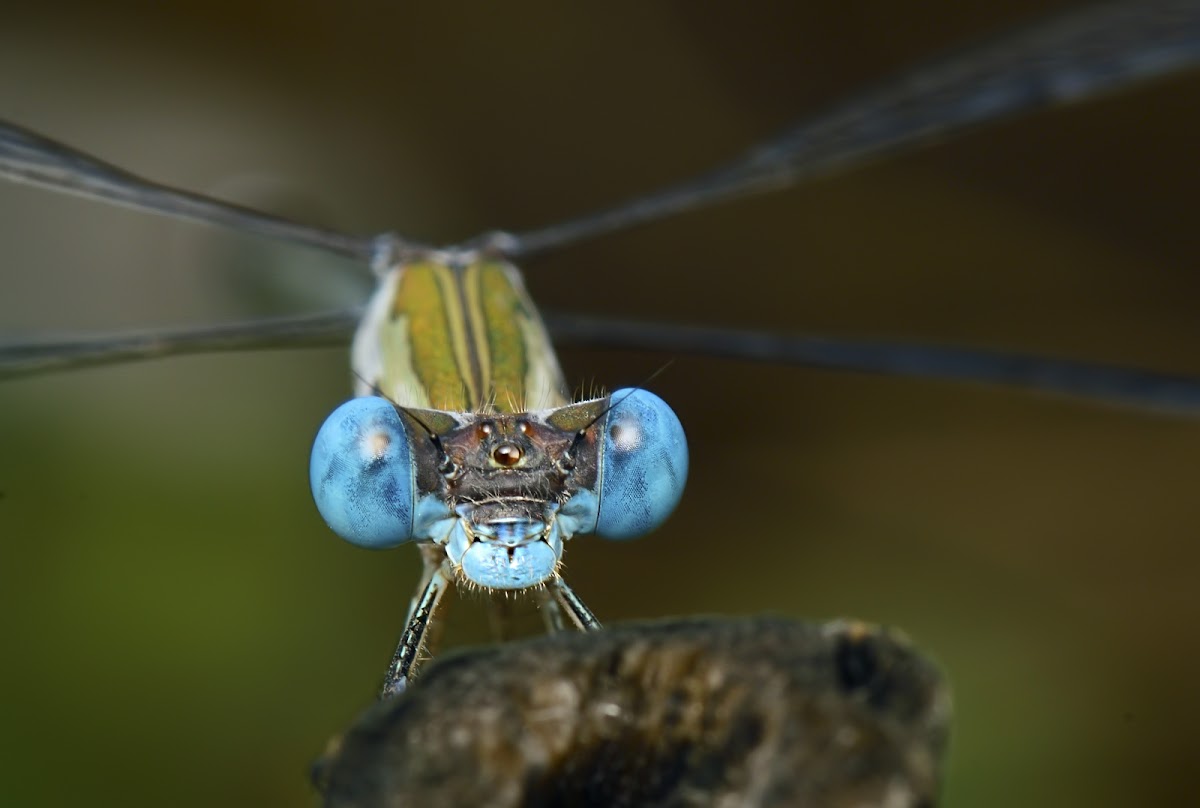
point(700, 712)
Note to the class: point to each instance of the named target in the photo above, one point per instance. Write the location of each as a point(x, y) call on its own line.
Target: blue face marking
point(499, 566)
point(643, 465)
point(362, 474)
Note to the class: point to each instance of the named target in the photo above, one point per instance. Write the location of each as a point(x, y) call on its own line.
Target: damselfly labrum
point(763, 462)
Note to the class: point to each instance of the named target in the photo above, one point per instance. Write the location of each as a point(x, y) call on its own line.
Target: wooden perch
point(700, 712)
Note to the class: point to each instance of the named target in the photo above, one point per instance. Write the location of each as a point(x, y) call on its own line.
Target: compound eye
point(362, 474)
point(643, 465)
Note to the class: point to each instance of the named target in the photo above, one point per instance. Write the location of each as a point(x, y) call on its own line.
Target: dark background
point(180, 628)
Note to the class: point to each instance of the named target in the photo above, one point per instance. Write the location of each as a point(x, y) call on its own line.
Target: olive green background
point(179, 628)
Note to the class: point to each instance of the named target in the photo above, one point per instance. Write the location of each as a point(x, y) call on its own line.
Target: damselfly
point(195, 563)
point(463, 440)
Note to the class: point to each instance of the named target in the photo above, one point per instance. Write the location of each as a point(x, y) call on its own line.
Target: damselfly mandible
point(190, 586)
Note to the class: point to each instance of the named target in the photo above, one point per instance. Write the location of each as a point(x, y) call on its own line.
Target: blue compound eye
point(643, 465)
point(362, 474)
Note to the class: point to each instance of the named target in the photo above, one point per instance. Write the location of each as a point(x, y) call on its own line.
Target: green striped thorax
point(457, 332)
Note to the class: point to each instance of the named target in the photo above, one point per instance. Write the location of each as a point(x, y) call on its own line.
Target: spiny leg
point(581, 614)
point(552, 615)
point(434, 583)
point(502, 619)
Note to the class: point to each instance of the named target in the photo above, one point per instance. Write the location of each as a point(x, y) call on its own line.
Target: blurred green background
point(179, 627)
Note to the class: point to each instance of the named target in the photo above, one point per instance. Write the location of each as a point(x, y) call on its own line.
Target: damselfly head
point(500, 492)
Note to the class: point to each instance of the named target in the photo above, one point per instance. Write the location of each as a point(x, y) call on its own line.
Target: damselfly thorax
point(456, 331)
point(462, 439)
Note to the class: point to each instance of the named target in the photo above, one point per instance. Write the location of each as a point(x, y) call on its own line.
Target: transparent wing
point(1099, 49)
point(1096, 50)
point(29, 157)
point(1109, 384)
point(48, 354)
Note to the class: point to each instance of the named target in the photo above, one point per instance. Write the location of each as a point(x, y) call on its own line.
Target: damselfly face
point(182, 629)
point(499, 493)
